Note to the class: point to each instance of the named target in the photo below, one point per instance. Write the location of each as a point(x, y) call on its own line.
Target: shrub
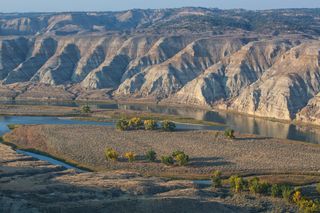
point(276, 190)
point(122, 124)
point(237, 183)
point(151, 155)
point(296, 197)
point(265, 188)
point(216, 136)
point(12, 126)
point(177, 152)
point(111, 154)
point(135, 123)
point(232, 181)
point(150, 125)
point(309, 206)
point(229, 133)
point(85, 109)
point(255, 186)
point(182, 159)
point(318, 187)
point(167, 160)
point(216, 179)
point(286, 193)
point(130, 156)
point(168, 126)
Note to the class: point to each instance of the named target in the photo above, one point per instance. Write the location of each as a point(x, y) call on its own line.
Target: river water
point(240, 123)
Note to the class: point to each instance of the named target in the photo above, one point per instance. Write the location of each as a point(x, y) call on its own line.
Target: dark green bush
point(167, 160)
point(229, 133)
point(168, 126)
point(151, 155)
point(237, 184)
point(216, 179)
point(276, 190)
point(85, 109)
point(254, 185)
point(318, 188)
point(287, 193)
point(122, 124)
point(257, 187)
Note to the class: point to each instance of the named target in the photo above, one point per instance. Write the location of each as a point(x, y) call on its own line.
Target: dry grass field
point(245, 155)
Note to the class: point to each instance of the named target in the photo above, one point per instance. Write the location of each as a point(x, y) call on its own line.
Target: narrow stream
point(6, 120)
point(49, 160)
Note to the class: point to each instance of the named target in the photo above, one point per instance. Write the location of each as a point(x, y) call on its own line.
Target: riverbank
point(208, 151)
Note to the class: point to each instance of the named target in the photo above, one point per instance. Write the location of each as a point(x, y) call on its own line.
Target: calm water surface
point(240, 123)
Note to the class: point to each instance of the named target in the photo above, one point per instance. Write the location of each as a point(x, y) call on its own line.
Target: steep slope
point(43, 50)
point(286, 87)
point(264, 63)
point(161, 80)
point(231, 75)
point(12, 53)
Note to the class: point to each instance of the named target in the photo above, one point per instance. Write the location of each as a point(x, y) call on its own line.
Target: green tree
point(167, 160)
point(151, 155)
point(86, 109)
point(216, 179)
point(135, 123)
point(237, 183)
point(122, 124)
point(150, 125)
point(276, 190)
point(111, 154)
point(287, 193)
point(180, 157)
point(168, 126)
point(318, 188)
point(130, 156)
point(229, 133)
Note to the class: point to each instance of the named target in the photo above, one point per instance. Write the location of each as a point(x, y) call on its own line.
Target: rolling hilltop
point(264, 63)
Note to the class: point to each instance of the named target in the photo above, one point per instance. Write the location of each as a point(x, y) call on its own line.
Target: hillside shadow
point(252, 138)
point(208, 161)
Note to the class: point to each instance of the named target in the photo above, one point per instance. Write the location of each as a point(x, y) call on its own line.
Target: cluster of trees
point(178, 157)
point(256, 186)
point(137, 123)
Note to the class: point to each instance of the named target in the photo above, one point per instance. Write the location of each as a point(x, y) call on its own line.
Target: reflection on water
point(240, 123)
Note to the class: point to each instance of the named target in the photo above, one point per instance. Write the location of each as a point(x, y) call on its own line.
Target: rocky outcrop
point(193, 56)
point(286, 87)
point(311, 112)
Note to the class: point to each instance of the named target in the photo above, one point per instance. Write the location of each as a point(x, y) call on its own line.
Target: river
point(240, 123)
